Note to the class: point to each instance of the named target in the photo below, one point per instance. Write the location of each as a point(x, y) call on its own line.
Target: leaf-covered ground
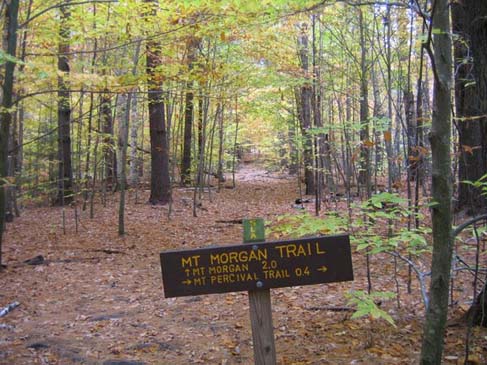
point(98, 298)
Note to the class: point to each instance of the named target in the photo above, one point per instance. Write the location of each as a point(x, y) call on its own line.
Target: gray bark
point(440, 136)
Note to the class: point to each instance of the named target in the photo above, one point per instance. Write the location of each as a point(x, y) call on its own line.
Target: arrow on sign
point(323, 269)
point(187, 282)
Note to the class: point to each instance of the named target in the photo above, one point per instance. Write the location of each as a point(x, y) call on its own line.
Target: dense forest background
point(376, 110)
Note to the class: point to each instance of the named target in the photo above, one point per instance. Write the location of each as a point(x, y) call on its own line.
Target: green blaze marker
point(253, 230)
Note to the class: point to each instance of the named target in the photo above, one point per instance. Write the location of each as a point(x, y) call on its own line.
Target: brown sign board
point(265, 265)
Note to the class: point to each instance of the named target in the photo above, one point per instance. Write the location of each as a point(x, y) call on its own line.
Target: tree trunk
point(192, 48)
point(477, 313)
point(364, 174)
point(200, 123)
point(378, 117)
point(470, 22)
point(236, 147)
point(440, 136)
point(19, 153)
point(304, 114)
point(109, 158)
point(123, 109)
point(412, 152)
point(221, 139)
point(122, 141)
point(293, 153)
point(470, 94)
point(392, 170)
point(160, 181)
point(317, 119)
point(65, 173)
point(9, 46)
point(134, 160)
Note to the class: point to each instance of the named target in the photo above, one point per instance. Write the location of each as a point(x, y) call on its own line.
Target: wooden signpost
point(260, 307)
point(257, 266)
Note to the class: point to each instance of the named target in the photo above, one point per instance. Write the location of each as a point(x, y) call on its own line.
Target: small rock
point(38, 346)
point(38, 260)
point(106, 317)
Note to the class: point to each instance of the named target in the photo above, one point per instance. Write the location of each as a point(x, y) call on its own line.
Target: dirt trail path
point(99, 299)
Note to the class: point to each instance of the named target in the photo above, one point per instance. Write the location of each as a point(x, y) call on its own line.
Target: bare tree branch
point(111, 48)
point(61, 5)
point(464, 225)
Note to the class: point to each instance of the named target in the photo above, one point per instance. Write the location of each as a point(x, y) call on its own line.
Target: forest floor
point(98, 297)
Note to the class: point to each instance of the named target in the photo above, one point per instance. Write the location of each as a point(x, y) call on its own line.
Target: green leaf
point(5, 57)
point(432, 204)
point(362, 246)
point(42, 75)
point(438, 31)
point(366, 306)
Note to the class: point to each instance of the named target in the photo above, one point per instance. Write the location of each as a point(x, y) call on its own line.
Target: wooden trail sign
point(257, 266)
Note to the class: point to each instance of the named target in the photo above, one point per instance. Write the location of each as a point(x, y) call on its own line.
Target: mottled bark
point(470, 22)
point(470, 93)
point(440, 137)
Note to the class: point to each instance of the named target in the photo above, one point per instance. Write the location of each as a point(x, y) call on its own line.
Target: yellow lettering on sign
point(257, 255)
point(302, 249)
point(318, 249)
point(287, 250)
point(199, 281)
point(236, 257)
point(253, 234)
point(198, 271)
point(220, 269)
point(276, 274)
point(190, 261)
point(233, 256)
point(232, 278)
